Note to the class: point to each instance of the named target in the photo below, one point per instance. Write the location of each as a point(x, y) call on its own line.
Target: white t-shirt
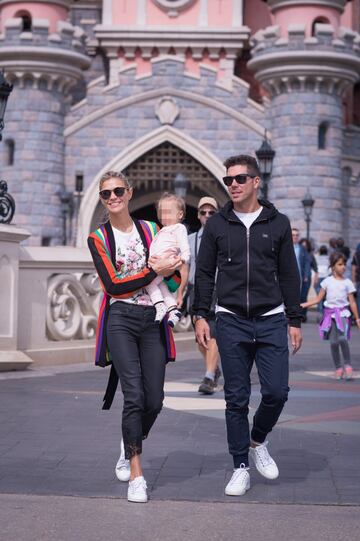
point(130, 259)
point(337, 292)
point(248, 218)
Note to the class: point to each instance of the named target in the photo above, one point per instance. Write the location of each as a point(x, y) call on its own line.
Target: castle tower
point(306, 61)
point(43, 57)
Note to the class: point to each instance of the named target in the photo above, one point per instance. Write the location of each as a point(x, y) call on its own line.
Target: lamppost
point(308, 203)
point(7, 203)
point(265, 156)
point(181, 185)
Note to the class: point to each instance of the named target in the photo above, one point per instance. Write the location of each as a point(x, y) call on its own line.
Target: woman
point(312, 266)
point(128, 336)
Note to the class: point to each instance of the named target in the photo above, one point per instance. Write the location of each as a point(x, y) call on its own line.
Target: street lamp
point(7, 203)
point(265, 156)
point(181, 185)
point(308, 203)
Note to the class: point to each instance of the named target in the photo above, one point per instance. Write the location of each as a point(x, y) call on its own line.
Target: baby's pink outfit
point(170, 242)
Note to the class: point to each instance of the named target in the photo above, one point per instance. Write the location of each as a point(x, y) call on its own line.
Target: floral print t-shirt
point(130, 259)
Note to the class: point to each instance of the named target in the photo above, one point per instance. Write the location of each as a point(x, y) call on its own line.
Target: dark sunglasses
point(240, 179)
point(204, 212)
point(118, 191)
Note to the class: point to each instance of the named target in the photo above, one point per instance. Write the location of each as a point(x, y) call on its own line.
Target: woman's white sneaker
point(239, 482)
point(122, 468)
point(137, 490)
point(263, 461)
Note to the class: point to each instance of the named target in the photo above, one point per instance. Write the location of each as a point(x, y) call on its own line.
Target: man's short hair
point(243, 159)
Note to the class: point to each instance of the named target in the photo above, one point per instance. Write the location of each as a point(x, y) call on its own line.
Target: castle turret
point(43, 57)
point(306, 61)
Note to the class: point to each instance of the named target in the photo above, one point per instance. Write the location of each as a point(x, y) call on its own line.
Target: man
point(207, 206)
point(302, 257)
point(250, 244)
point(303, 260)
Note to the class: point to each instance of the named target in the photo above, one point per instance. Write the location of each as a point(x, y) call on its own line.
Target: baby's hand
point(179, 298)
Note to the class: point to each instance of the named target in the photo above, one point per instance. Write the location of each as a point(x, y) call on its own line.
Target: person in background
point(355, 274)
point(345, 250)
point(306, 284)
point(335, 324)
point(207, 207)
point(303, 261)
point(323, 266)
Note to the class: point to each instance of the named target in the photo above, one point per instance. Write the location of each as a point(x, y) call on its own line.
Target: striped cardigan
point(102, 247)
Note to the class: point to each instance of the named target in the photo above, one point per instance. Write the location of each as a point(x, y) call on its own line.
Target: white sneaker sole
point(134, 499)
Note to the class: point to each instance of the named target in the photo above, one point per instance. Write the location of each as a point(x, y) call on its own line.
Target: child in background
point(170, 242)
point(335, 324)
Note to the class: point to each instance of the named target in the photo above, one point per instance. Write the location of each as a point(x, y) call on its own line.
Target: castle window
point(318, 20)
point(9, 151)
point(322, 135)
point(356, 105)
point(26, 20)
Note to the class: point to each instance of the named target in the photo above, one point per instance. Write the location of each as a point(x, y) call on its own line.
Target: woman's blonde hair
point(114, 174)
point(179, 201)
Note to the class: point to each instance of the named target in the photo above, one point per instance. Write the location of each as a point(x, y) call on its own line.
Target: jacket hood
point(268, 212)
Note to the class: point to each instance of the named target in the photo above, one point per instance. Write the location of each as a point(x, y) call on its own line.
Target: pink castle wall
point(302, 15)
point(257, 15)
point(52, 12)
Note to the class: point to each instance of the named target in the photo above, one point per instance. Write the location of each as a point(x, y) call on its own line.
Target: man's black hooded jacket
point(256, 271)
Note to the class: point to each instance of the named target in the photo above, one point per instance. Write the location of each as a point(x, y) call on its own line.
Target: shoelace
point(263, 454)
point(239, 472)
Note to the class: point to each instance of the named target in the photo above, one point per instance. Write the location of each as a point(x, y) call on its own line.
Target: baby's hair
point(114, 174)
point(179, 201)
point(335, 258)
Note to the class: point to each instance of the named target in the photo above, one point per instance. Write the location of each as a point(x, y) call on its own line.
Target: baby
point(170, 243)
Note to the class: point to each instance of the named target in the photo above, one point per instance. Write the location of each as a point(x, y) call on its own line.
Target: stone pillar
point(10, 357)
point(306, 78)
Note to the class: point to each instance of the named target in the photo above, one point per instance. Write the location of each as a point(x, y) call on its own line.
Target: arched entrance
point(155, 171)
point(204, 171)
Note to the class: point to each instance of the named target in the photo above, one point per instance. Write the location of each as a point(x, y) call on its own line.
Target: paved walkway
point(56, 442)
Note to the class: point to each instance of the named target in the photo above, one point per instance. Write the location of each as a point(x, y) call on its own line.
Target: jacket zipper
point(248, 271)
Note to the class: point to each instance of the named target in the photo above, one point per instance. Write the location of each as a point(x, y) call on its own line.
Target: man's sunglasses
point(204, 212)
point(240, 179)
point(118, 192)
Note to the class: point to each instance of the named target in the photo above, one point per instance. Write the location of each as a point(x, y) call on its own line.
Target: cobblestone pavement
point(56, 441)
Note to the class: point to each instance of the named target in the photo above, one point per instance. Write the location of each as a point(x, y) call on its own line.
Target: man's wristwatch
point(196, 318)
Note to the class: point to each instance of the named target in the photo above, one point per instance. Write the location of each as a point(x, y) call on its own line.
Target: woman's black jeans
point(138, 355)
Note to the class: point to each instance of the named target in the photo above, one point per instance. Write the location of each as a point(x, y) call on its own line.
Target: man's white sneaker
point(239, 482)
point(137, 490)
point(122, 468)
point(263, 461)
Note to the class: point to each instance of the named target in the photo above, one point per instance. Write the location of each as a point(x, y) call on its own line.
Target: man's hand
point(164, 267)
point(202, 332)
point(295, 338)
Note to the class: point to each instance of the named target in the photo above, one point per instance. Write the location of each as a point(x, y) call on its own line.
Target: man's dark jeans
point(138, 355)
point(240, 342)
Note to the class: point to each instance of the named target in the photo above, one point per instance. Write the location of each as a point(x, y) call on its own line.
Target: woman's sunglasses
point(118, 192)
point(240, 179)
point(204, 212)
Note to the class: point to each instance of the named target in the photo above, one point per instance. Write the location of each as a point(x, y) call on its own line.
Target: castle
point(165, 90)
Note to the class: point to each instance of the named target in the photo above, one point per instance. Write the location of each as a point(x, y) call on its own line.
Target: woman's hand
point(164, 267)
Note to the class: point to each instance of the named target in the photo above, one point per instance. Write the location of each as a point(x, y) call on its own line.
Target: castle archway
point(152, 165)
